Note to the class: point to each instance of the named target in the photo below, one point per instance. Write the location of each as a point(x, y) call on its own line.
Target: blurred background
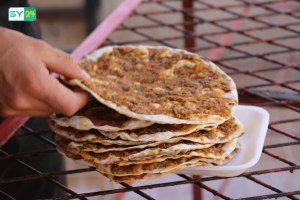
point(65, 23)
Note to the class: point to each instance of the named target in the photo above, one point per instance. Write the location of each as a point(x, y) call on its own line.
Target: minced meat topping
point(101, 115)
point(159, 81)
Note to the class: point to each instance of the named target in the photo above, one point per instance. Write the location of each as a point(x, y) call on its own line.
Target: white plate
point(255, 121)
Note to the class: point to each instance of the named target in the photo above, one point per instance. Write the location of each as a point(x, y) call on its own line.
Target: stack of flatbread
point(152, 111)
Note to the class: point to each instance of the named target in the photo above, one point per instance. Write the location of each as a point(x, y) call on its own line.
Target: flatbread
point(95, 115)
point(230, 129)
point(157, 132)
point(159, 84)
point(142, 177)
point(145, 149)
point(218, 151)
point(162, 132)
point(131, 179)
point(227, 131)
point(92, 135)
point(168, 165)
point(156, 170)
point(154, 133)
point(214, 154)
point(165, 166)
point(98, 154)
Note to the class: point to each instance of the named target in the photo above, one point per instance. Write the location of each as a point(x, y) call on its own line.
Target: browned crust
point(156, 128)
point(96, 135)
point(100, 115)
point(140, 80)
point(118, 173)
point(131, 179)
point(120, 156)
point(227, 128)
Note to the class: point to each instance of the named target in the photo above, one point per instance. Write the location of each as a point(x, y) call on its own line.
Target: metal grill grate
point(257, 43)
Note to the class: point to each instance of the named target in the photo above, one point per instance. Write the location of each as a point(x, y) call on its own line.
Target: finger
point(63, 99)
point(33, 113)
point(36, 108)
point(62, 63)
point(36, 113)
point(23, 102)
point(39, 106)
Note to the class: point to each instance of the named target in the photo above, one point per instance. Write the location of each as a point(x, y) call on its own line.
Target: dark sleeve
point(29, 28)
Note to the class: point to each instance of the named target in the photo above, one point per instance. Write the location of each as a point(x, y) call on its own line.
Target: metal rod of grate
point(262, 90)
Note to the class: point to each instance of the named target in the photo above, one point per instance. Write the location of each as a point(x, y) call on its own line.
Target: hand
point(26, 86)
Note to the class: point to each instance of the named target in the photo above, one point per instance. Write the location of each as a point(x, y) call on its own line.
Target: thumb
point(63, 99)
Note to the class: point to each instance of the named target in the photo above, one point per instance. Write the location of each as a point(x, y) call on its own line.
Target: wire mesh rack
point(255, 42)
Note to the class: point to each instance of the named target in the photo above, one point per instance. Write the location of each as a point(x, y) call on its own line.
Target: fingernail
point(85, 74)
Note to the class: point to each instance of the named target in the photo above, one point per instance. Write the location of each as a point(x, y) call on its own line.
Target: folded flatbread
point(159, 84)
point(95, 115)
point(230, 129)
